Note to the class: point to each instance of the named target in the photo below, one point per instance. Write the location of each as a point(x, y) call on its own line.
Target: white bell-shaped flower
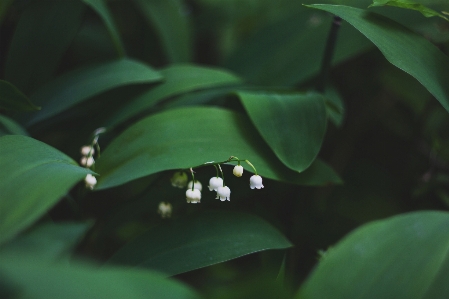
point(90, 181)
point(196, 186)
point(214, 183)
point(224, 193)
point(255, 182)
point(193, 196)
point(238, 170)
point(87, 161)
point(87, 150)
point(165, 209)
point(179, 179)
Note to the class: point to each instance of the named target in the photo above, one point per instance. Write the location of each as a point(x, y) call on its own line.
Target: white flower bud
point(197, 185)
point(179, 179)
point(193, 196)
point(238, 170)
point(87, 161)
point(214, 183)
point(87, 150)
point(255, 182)
point(90, 181)
point(224, 193)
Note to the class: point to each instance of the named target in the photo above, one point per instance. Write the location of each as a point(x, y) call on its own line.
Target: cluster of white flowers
point(216, 183)
point(87, 157)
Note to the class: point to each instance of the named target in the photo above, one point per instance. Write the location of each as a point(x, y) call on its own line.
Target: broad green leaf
point(427, 12)
point(31, 278)
point(200, 241)
point(401, 47)
point(34, 177)
point(12, 98)
point(291, 56)
point(293, 125)
point(178, 79)
point(171, 21)
point(177, 139)
point(334, 105)
point(400, 257)
point(100, 6)
point(10, 127)
point(43, 34)
point(79, 85)
point(48, 241)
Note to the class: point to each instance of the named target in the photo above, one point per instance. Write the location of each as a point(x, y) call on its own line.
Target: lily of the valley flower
point(215, 183)
point(87, 161)
point(224, 193)
point(238, 170)
point(90, 181)
point(255, 182)
point(165, 209)
point(193, 196)
point(87, 150)
point(197, 185)
point(179, 179)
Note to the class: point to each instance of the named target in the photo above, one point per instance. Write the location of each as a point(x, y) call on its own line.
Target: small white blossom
point(179, 179)
point(87, 150)
point(197, 185)
point(224, 193)
point(90, 181)
point(214, 183)
point(165, 209)
point(87, 161)
point(193, 196)
point(255, 182)
point(238, 170)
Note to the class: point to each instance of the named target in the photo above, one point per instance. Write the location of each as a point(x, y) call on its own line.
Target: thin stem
point(222, 175)
point(254, 168)
point(328, 54)
point(216, 168)
point(193, 178)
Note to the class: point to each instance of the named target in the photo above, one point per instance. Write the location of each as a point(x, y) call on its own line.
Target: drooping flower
point(87, 150)
point(87, 161)
point(238, 170)
point(193, 196)
point(179, 179)
point(197, 185)
point(90, 181)
point(255, 182)
point(165, 209)
point(215, 182)
point(224, 193)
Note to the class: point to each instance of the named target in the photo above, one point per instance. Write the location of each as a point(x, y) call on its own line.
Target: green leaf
point(34, 177)
point(334, 105)
point(171, 21)
point(178, 79)
point(401, 257)
point(401, 47)
point(48, 241)
point(100, 6)
point(293, 125)
point(31, 278)
point(12, 98)
point(177, 139)
point(292, 54)
point(79, 85)
point(10, 127)
point(43, 34)
point(200, 241)
point(427, 12)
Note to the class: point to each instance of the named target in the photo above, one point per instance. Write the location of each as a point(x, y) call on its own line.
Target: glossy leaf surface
point(34, 177)
point(179, 79)
point(204, 240)
point(400, 257)
point(427, 12)
point(292, 124)
point(32, 279)
point(79, 85)
point(401, 47)
point(177, 139)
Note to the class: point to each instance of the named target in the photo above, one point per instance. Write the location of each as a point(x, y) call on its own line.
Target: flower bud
point(164, 209)
point(90, 181)
point(179, 179)
point(238, 170)
point(87, 161)
point(197, 185)
point(87, 150)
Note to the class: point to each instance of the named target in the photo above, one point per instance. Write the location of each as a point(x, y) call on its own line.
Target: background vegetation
point(351, 143)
